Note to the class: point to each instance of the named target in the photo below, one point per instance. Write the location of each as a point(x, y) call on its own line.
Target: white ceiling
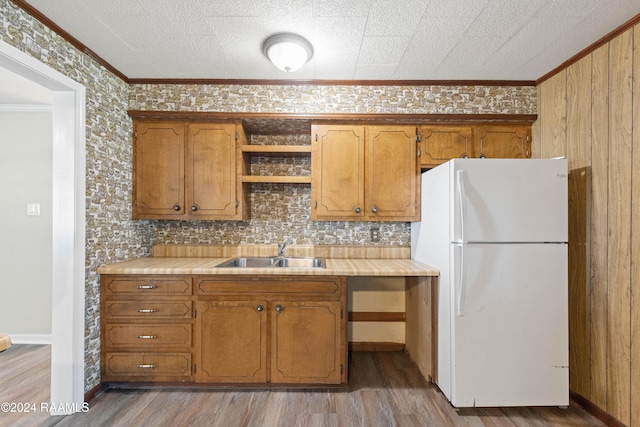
point(352, 39)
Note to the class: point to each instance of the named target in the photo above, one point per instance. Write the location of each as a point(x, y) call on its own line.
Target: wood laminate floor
point(385, 389)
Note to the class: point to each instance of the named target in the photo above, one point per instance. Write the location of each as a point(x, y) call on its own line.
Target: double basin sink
point(274, 262)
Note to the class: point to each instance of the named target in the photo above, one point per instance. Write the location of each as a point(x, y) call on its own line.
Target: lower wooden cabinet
point(288, 332)
point(146, 328)
point(306, 342)
point(232, 342)
point(224, 329)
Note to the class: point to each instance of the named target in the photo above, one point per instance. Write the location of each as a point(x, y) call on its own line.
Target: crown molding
point(35, 13)
point(291, 82)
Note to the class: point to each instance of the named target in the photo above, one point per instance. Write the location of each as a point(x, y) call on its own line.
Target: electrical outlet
point(375, 234)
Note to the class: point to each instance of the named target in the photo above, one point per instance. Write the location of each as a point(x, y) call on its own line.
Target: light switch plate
point(33, 209)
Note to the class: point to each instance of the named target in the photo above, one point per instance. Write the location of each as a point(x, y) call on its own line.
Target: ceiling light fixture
point(287, 51)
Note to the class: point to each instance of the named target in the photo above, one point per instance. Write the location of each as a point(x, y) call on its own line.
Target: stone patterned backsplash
point(280, 213)
point(335, 99)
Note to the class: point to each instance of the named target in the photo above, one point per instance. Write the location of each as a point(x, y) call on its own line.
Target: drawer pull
point(147, 337)
point(147, 366)
point(147, 286)
point(147, 310)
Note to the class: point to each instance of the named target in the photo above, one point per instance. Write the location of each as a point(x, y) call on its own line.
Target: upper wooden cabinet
point(211, 180)
point(439, 144)
point(337, 172)
point(364, 173)
point(503, 142)
point(187, 170)
point(392, 174)
point(190, 169)
point(158, 169)
point(442, 143)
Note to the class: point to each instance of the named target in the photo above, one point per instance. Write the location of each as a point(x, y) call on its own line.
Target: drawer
point(144, 309)
point(147, 364)
point(147, 335)
point(281, 285)
point(145, 286)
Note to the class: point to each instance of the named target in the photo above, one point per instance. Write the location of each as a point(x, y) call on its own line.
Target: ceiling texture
point(352, 39)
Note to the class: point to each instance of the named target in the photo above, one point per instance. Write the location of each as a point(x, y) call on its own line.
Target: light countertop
point(335, 267)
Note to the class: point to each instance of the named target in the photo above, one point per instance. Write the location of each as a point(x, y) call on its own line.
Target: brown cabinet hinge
point(342, 313)
point(195, 313)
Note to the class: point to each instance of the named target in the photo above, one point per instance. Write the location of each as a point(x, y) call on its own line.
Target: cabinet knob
point(357, 209)
point(374, 209)
point(482, 156)
point(195, 207)
point(279, 308)
point(259, 307)
point(464, 156)
point(176, 207)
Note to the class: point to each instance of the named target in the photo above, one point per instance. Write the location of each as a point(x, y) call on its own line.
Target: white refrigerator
point(497, 230)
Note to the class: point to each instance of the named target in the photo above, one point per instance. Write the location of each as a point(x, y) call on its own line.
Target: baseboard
point(595, 410)
point(30, 338)
point(93, 393)
point(376, 346)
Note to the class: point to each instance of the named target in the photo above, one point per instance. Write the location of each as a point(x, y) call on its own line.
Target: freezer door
point(507, 200)
point(509, 325)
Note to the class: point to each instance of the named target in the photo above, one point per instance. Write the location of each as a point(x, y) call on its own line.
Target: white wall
point(26, 144)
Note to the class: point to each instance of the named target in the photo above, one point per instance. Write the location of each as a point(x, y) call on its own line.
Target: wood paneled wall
point(590, 113)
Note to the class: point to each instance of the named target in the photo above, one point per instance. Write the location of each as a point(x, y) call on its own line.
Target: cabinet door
point(232, 341)
point(505, 141)
point(211, 171)
point(337, 172)
point(392, 174)
point(308, 342)
point(159, 170)
point(440, 144)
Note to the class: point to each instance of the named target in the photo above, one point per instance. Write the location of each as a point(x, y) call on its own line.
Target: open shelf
point(299, 150)
point(277, 179)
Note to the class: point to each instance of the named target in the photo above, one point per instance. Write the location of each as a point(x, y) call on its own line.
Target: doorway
point(68, 225)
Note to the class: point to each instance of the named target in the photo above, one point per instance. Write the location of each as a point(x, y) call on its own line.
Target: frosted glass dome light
point(287, 51)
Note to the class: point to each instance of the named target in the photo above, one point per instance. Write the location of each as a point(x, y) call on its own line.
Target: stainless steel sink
point(301, 262)
point(274, 262)
point(250, 262)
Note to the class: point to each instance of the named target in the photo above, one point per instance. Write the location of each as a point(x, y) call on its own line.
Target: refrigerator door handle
point(463, 279)
point(463, 205)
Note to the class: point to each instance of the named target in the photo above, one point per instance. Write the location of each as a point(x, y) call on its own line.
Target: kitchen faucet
point(281, 248)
